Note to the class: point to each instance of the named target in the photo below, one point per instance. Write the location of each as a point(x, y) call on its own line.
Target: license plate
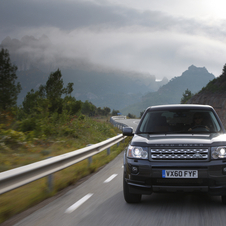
point(179, 173)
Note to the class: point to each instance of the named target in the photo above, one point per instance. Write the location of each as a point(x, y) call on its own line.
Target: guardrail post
point(50, 181)
point(108, 151)
point(119, 142)
point(89, 158)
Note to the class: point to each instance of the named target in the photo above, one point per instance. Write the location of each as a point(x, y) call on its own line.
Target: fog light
point(135, 169)
point(224, 170)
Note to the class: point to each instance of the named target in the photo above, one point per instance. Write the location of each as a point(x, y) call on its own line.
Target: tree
point(54, 89)
point(224, 70)
point(115, 112)
point(72, 105)
point(30, 102)
point(88, 108)
point(9, 90)
point(141, 113)
point(186, 96)
point(49, 97)
point(131, 115)
point(106, 111)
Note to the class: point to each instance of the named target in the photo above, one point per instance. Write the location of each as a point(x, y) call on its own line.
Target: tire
point(130, 198)
point(223, 199)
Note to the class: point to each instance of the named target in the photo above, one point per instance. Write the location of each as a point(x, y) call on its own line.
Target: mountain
point(104, 87)
point(213, 94)
point(193, 79)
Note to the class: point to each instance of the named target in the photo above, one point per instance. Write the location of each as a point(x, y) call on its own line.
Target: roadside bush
point(10, 139)
point(28, 124)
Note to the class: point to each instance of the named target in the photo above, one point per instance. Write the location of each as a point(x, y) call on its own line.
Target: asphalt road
point(130, 122)
point(99, 201)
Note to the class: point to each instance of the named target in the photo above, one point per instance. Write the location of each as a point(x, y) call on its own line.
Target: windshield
point(179, 121)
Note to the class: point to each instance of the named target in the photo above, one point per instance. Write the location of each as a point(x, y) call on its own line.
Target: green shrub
point(11, 137)
point(28, 124)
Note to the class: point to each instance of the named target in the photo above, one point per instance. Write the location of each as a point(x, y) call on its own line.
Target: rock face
point(216, 100)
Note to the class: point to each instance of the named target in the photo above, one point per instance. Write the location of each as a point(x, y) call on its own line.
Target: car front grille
point(179, 153)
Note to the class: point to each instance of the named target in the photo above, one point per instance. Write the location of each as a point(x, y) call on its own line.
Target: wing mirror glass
point(127, 131)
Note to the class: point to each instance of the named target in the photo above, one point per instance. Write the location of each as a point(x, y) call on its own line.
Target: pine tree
point(186, 96)
point(9, 90)
point(49, 97)
point(54, 89)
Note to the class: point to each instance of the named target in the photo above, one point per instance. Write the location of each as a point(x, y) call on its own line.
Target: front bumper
point(148, 179)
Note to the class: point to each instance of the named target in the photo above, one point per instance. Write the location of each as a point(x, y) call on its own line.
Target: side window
point(215, 122)
point(143, 126)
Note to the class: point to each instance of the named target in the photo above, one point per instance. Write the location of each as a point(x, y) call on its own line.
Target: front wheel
point(130, 198)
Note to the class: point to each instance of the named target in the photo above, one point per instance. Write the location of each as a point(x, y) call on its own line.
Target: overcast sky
point(161, 37)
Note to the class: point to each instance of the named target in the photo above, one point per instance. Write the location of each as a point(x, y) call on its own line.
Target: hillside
point(37, 58)
point(214, 94)
point(193, 79)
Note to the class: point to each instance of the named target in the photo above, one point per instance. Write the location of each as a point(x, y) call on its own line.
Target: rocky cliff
point(216, 100)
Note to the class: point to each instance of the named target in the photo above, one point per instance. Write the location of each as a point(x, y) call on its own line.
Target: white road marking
point(78, 203)
point(110, 178)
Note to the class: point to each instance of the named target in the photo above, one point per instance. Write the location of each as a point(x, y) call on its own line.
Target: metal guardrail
point(20, 176)
point(118, 117)
point(117, 124)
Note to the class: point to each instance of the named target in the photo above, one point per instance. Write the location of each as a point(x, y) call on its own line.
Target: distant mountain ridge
point(37, 58)
point(193, 79)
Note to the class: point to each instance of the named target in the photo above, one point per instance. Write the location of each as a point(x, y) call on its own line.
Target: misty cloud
point(114, 36)
point(71, 15)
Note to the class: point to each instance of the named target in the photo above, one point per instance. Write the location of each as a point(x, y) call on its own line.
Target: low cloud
point(115, 36)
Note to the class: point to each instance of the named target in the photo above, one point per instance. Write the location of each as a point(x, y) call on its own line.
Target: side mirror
point(127, 131)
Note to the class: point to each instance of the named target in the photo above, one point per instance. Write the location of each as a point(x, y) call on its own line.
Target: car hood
point(150, 139)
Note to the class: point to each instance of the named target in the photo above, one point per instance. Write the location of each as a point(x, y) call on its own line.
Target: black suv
point(176, 148)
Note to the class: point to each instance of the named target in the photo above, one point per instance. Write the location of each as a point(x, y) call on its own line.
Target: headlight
point(218, 152)
point(137, 152)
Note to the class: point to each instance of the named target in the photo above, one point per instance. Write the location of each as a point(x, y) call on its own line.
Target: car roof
point(181, 106)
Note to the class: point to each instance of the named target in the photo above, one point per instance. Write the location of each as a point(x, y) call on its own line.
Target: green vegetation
point(19, 148)
point(131, 115)
point(115, 112)
point(50, 122)
point(217, 84)
point(47, 115)
point(8, 89)
point(186, 96)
